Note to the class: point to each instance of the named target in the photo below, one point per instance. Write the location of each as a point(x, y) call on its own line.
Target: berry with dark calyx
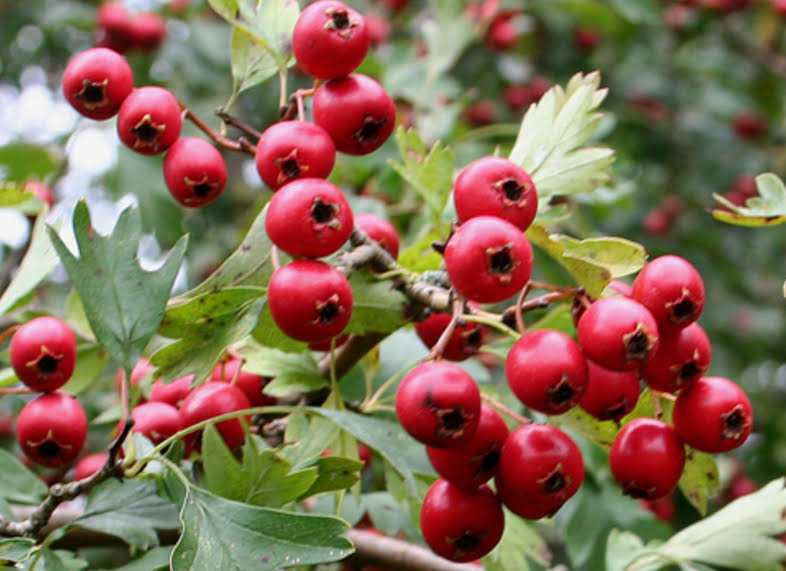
point(647, 458)
point(466, 341)
point(540, 464)
point(51, 429)
point(379, 230)
point(213, 399)
point(330, 39)
point(495, 186)
point(476, 461)
point(231, 371)
point(96, 82)
point(683, 356)
point(672, 289)
point(618, 333)
point(114, 27)
point(156, 420)
point(89, 465)
point(547, 371)
point(488, 259)
point(713, 415)
point(289, 150)
point(522, 506)
point(194, 172)
point(173, 393)
point(148, 30)
point(309, 217)
point(357, 113)
point(461, 525)
point(310, 300)
point(43, 353)
point(610, 395)
point(149, 120)
point(438, 404)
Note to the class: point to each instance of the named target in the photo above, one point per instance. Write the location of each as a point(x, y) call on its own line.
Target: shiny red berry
point(173, 393)
point(647, 458)
point(96, 82)
point(438, 404)
point(618, 333)
point(149, 120)
point(310, 300)
point(330, 39)
point(502, 34)
point(289, 150)
point(357, 113)
point(141, 369)
point(194, 172)
point(156, 420)
point(231, 371)
point(610, 395)
point(547, 371)
point(713, 415)
point(495, 186)
point(379, 230)
point(212, 399)
point(114, 27)
point(466, 341)
point(89, 465)
point(488, 259)
point(683, 356)
point(461, 525)
point(309, 217)
point(148, 30)
point(43, 353)
point(51, 429)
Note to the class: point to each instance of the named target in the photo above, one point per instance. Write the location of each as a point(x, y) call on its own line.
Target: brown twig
point(447, 333)
point(241, 145)
point(505, 410)
point(238, 124)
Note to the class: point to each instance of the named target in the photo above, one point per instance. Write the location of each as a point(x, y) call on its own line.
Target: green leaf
point(268, 334)
point(262, 478)
point(376, 305)
point(17, 483)
point(252, 63)
point(16, 196)
point(600, 432)
point(16, 549)
point(154, 560)
point(130, 510)
point(766, 209)
point(20, 162)
point(549, 143)
point(428, 171)
point(91, 362)
point(519, 543)
point(334, 473)
point(224, 534)
point(593, 262)
point(59, 560)
point(290, 371)
point(306, 438)
point(227, 9)
point(183, 318)
point(700, 479)
point(123, 303)
point(420, 256)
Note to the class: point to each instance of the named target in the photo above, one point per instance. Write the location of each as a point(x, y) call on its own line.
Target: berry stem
point(519, 302)
point(16, 391)
point(447, 333)
point(242, 126)
point(7, 333)
point(274, 259)
point(241, 145)
point(505, 410)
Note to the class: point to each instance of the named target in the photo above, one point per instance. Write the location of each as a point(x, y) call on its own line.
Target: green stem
point(484, 320)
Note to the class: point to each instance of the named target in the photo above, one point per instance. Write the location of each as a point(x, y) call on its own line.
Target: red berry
point(488, 259)
point(713, 415)
point(466, 341)
point(210, 400)
point(618, 333)
point(89, 465)
point(495, 186)
point(113, 27)
point(293, 149)
point(356, 111)
point(461, 525)
point(522, 506)
point(96, 82)
point(540, 464)
point(325, 345)
point(148, 30)
point(618, 287)
point(330, 39)
point(173, 393)
point(379, 30)
point(141, 369)
point(480, 113)
point(43, 353)
point(663, 508)
point(379, 230)
point(647, 458)
point(779, 7)
point(749, 125)
point(194, 172)
point(672, 289)
point(683, 356)
point(310, 300)
point(231, 371)
point(547, 371)
point(586, 39)
point(438, 404)
point(502, 34)
point(657, 222)
point(51, 429)
point(610, 395)
point(476, 461)
point(309, 217)
point(156, 420)
point(395, 5)
point(149, 120)
point(42, 192)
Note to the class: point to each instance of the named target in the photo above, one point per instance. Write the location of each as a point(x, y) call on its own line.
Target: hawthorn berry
point(309, 217)
point(231, 371)
point(41, 191)
point(461, 525)
point(142, 369)
point(547, 371)
point(309, 300)
point(114, 27)
point(610, 395)
point(502, 34)
point(618, 333)
point(173, 393)
point(149, 120)
point(213, 399)
point(89, 465)
point(289, 150)
point(495, 186)
point(779, 7)
point(683, 356)
point(488, 259)
point(147, 30)
point(156, 420)
point(379, 230)
point(357, 113)
point(749, 125)
point(330, 39)
point(480, 113)
point(475, 462)
point(647, 458)
point(51, 429)
point(466, 341)
point(325, 345)
point(713, 415)
point(673, 291)
point(438, 404)
point(43, 353)
point(96, 82)
point(194, 172)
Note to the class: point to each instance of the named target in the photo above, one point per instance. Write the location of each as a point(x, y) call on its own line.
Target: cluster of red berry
point(121, 31)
